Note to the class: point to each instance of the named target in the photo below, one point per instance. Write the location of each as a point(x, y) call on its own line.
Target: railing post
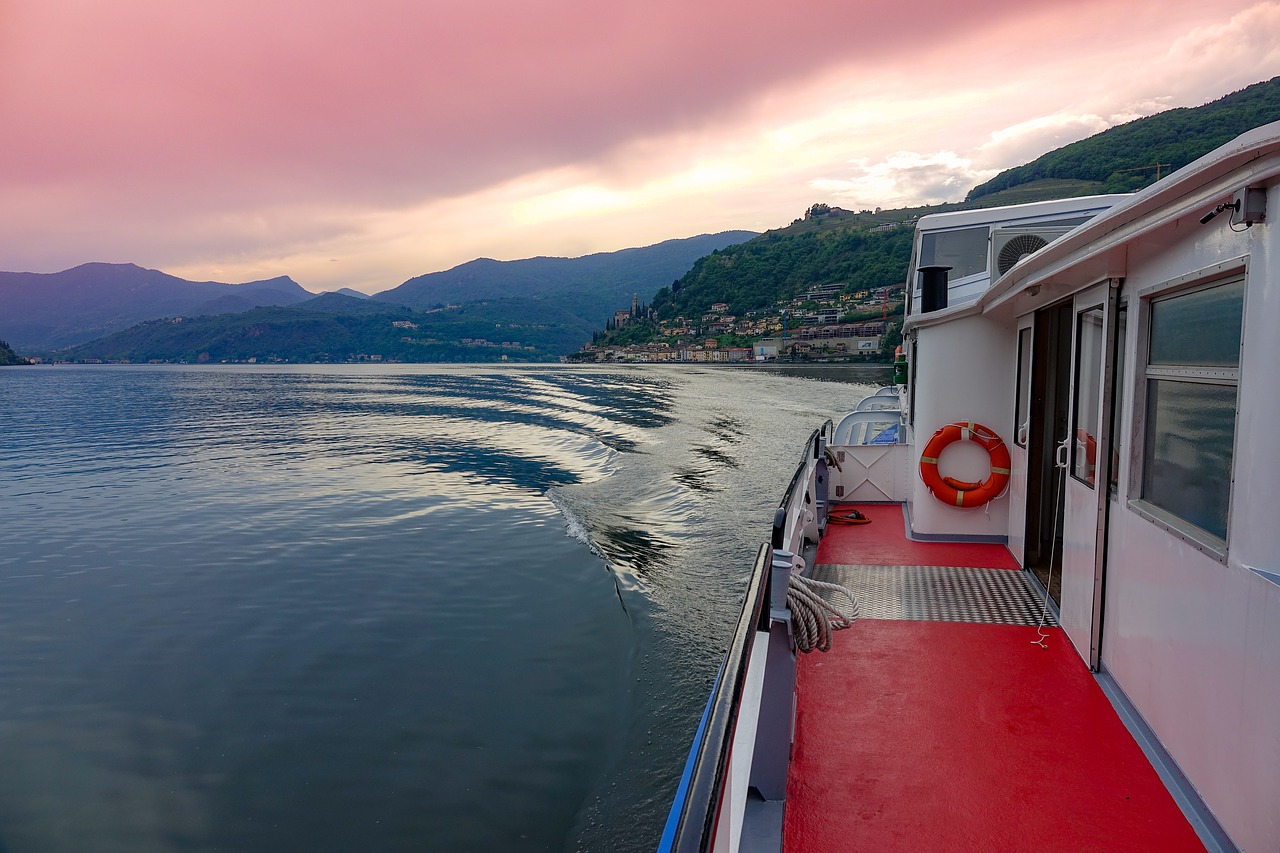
point(777, 702)
point(820, 486)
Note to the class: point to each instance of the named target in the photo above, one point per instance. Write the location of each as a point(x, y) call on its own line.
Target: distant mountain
point(46, 311)
point(592, 286)
point(42, 311)
point(346, 291)
point(1129, 156)
point(336, 328)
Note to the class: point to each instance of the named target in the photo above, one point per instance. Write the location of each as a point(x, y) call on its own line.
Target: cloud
point(1029, 139)
point(905, 178)
point(391, 101)
point(249, 138)
point(1210, 60)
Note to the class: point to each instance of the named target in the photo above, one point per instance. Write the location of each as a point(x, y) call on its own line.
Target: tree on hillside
point(780, 266)
point(9, 357)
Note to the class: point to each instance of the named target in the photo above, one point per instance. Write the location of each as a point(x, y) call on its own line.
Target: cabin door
point(1018, 453)
point(1044, 427)
point(1078, 459)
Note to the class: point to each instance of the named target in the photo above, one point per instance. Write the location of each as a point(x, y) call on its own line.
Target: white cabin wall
point(966, 370)
point(1195, 642)
point(1255, 506)
point(1195, 645)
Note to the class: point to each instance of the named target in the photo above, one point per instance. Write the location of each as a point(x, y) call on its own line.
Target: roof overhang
point(1098, 249)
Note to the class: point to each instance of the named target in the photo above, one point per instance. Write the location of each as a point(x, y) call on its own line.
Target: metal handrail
point(696, 809)
point(847, 431)
point(812, 449)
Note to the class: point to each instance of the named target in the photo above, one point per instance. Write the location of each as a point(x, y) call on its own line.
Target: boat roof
point(1076, 206)
point(1097, 246)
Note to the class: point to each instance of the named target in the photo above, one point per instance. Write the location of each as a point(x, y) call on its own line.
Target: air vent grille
point(1010, 245)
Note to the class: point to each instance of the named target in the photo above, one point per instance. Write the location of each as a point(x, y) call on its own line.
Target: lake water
point(373, 608)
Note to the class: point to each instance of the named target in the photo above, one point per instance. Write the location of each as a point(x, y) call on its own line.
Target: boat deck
point(935, 723)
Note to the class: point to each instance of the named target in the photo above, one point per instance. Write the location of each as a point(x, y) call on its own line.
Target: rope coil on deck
point(813, 618)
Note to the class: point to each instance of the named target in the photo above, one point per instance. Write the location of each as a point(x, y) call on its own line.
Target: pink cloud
point(389, 100)
point(253, 132)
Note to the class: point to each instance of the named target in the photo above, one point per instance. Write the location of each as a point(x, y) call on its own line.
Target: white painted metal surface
point(869, 473)
point(1018, 446)
point(965, 372)
point(1190, 633)
point(1081, 498)
point(966, 288)
point(734, 805)
point(1193, 638)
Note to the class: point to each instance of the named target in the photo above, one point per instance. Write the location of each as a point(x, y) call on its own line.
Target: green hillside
point(8, 356)
point(779, 265)
point(333, 330)
point(862, 250)
point(871, 249)
point(1131, 156)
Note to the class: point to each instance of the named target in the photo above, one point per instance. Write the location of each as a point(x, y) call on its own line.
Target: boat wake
point(575, 525)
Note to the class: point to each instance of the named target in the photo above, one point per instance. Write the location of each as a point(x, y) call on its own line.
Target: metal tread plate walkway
point(940, 593)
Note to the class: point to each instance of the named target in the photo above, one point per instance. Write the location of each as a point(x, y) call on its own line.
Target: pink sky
point(361, 143)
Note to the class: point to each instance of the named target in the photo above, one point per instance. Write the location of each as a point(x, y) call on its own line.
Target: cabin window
point(1023, 406)
point(1089, 339)
point(964, 250)
point(1192, 377)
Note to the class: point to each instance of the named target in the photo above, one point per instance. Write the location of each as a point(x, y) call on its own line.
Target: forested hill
point(867, 250)
point(337, 328)
point(1131, 156)
point(8, 356)
point(829, 245)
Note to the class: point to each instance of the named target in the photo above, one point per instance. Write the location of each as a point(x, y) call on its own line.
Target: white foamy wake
point(574, 525)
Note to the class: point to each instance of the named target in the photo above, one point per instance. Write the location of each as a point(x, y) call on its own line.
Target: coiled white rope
point(813, 618)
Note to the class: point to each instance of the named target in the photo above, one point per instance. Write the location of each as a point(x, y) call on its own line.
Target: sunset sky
point(361, 143)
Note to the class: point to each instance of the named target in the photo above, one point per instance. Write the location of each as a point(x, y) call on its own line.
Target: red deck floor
point(936, 736)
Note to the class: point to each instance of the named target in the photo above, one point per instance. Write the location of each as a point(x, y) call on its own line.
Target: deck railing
point(698, 813)
point(694, 814)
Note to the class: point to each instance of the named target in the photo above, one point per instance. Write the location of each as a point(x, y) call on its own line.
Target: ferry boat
point(1063, 566)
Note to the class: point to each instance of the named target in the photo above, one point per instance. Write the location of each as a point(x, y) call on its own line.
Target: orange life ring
point(954, 492)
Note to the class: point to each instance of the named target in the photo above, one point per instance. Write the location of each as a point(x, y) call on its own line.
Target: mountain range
point(44, 312)
point(608, 278)
point(541, 307)
point(337, 328)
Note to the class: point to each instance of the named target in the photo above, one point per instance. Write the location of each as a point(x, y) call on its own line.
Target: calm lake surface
point(339, 608)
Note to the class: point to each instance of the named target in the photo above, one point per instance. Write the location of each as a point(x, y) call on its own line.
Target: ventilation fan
point(1010, 245)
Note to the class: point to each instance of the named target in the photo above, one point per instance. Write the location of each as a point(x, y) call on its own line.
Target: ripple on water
point(333, 608)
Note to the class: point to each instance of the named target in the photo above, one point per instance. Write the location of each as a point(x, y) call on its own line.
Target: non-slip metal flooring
point(939, 593)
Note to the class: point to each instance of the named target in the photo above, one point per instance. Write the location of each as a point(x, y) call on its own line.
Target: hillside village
point(823, 324)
